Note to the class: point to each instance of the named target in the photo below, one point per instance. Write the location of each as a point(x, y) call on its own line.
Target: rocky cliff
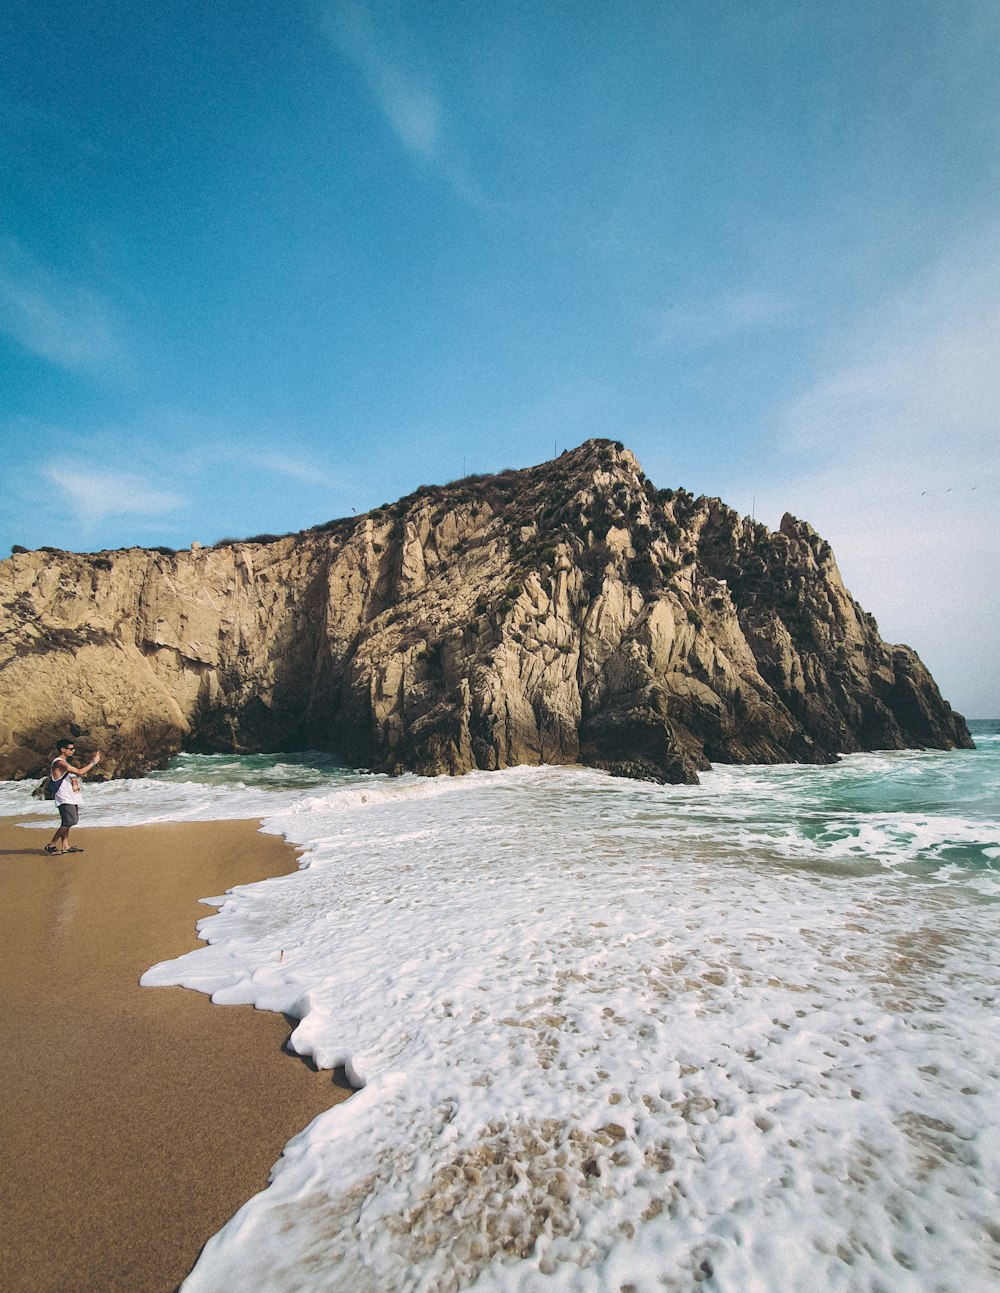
point(568, 612)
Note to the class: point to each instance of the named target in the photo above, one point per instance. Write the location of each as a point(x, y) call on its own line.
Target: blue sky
point(262, 265)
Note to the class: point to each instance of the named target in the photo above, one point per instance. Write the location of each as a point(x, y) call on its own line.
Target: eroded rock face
point(569, 612)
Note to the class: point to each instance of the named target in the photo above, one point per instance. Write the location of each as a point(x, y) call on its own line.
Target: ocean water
point(612, 1037)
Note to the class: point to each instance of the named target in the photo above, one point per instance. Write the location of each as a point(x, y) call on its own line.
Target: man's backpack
point(46, 788)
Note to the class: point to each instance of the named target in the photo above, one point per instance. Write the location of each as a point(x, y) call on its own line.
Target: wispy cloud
point(61, 321)
point(211, 444)
point(302, 469)
point(714, 319)
point(405, 97)
point(920, 375)
point(210, 441)
point(400, 82)
point(907, 406)
point(97, 495)
point(893, 454)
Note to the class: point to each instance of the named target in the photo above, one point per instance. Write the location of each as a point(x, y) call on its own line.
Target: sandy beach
point(135, 1121)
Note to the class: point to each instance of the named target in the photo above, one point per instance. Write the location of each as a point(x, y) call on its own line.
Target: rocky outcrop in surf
point(568, 612)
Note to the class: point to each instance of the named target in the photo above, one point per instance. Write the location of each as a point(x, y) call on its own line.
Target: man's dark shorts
point(69, 814)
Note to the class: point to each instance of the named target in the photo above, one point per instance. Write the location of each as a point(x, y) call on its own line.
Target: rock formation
point(569, 612)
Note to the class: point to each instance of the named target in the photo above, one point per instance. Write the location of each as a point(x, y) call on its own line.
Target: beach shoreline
point(136, 1120)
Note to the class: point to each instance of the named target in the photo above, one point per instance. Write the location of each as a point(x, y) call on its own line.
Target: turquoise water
point(925, 813)
point(309, 770)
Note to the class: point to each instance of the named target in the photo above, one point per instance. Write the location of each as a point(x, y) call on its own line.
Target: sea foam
point(619, 1037)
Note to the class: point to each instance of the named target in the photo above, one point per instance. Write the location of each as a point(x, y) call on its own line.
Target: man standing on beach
point(68, 796)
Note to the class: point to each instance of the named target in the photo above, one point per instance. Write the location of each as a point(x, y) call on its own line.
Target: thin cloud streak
point(907, 415)
point(212, 441)
point(97, 495)
point(62, 322)
point(715, 319)
point(921, 375)
point(411, 109)
point(404, 94)
point(280, 464)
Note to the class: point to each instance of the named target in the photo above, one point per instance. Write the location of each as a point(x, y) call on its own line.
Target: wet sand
point(134, 1121)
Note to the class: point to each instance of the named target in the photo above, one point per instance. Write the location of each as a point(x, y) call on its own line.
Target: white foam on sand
point(619, 1037)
